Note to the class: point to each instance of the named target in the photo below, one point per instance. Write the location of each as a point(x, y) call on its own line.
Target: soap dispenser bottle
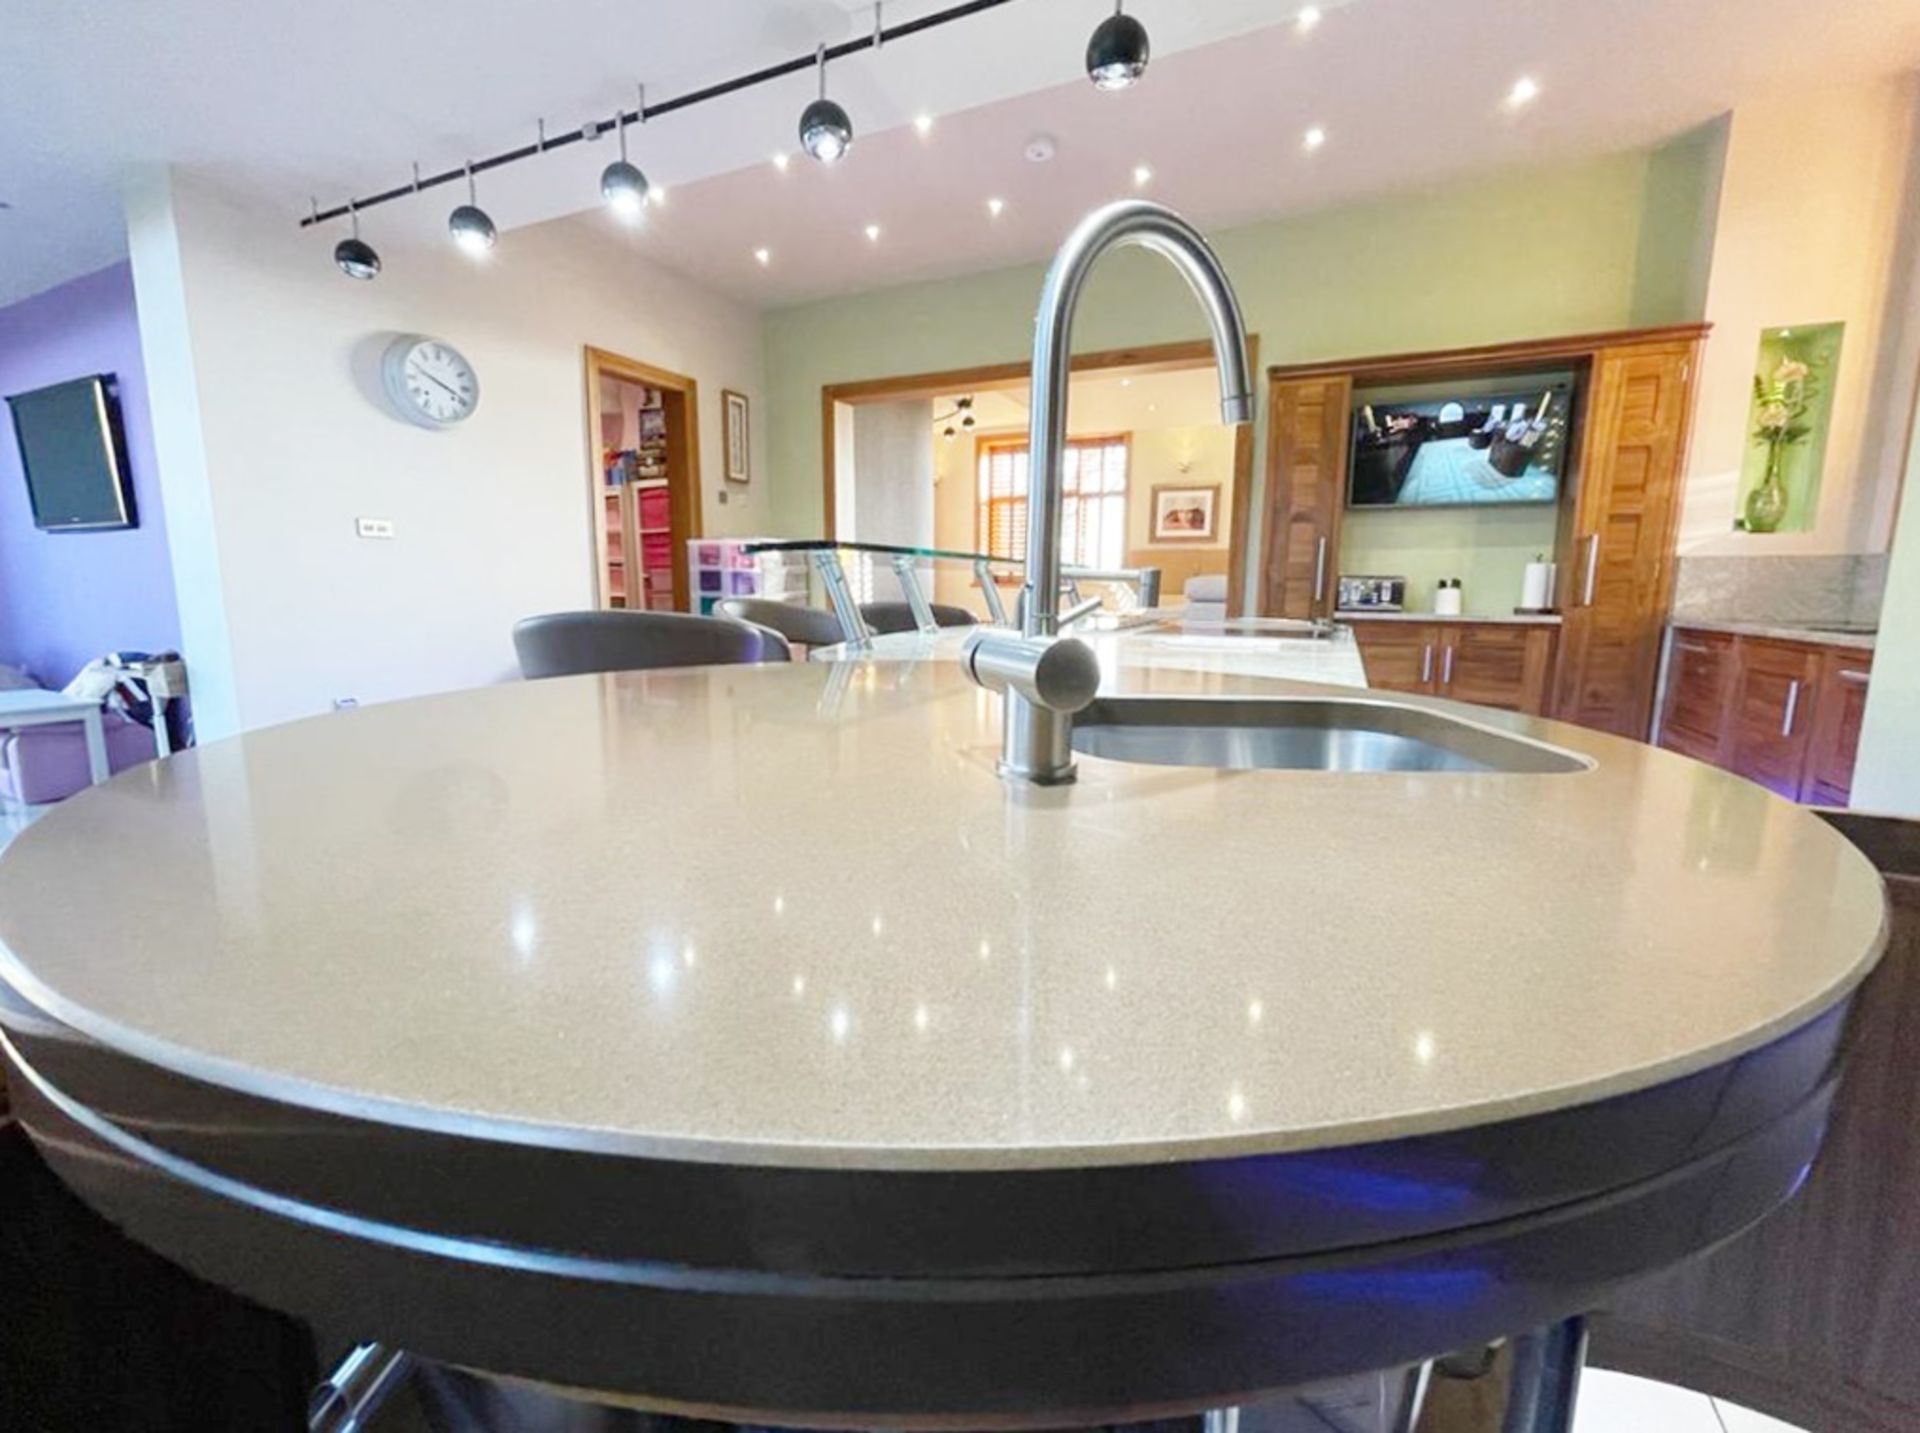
point(1446, 598)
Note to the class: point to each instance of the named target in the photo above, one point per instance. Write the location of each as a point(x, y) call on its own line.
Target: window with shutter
point(1093, 520)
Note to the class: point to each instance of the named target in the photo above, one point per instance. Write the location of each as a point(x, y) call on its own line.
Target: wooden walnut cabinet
point(1494, 664)
point(1617, 522)
point(1784, 714)
point(1617, 568)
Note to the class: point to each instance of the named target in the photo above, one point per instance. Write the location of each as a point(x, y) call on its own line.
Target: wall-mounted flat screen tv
point(1473, 446)
point(74, 454)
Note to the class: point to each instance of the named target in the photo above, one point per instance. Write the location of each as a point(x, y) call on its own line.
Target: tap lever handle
point(1058, 673)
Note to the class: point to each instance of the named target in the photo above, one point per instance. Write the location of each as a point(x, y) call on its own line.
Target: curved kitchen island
point(733, 1040)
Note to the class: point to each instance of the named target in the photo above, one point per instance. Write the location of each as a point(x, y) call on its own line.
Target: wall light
point(762, 257)
point(994, 206)
point(1313, 138)
point(1308, 17)
point(1524, 92)
point(1142, 176)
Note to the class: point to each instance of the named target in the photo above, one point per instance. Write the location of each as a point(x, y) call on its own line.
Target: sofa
point(49, 763)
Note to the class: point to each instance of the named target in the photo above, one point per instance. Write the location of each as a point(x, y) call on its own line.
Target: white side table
point(37, 708)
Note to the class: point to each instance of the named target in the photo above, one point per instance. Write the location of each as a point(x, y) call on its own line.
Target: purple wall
point(68, 597)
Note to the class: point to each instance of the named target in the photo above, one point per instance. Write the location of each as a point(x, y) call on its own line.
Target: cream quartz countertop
point(788, 915)
point(1251, 647)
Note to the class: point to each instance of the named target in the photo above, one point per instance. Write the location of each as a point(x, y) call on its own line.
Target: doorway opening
point(644, 481)
point(939, 460)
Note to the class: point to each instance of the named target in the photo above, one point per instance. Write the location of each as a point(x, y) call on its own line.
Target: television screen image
point(1475, 448)
point(74, 455)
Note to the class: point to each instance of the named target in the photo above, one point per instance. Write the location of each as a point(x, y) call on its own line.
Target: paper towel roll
point(1536, 588)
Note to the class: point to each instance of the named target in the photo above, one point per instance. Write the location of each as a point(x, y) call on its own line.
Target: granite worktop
point(1511, 619)
point(1840, 636)
point(789, 915)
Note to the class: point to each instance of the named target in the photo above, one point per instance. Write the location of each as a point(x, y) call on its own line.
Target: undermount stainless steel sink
point(1305, 734)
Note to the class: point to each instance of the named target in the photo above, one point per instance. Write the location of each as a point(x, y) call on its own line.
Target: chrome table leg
point(354, 1391)
point(834, 578)
point(990, 592)
point(916, 596)
point(1545, 1378)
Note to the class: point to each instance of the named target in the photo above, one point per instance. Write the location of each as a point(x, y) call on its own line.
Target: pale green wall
point(1488, 549)
point(1886, 777)
point(1523, 254)
point(1676, 226)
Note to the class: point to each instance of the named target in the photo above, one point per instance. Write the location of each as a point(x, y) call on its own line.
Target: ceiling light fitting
point(475, 230)
point(825, 131)
point(1118, 52)
point(354, 256)
point(622, 184)
point(471, 226)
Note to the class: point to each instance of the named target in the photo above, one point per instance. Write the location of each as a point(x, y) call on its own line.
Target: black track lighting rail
point(550, 143)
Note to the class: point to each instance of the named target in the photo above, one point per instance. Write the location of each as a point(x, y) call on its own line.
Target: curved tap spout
point(1037, 746)
point(1129, 222)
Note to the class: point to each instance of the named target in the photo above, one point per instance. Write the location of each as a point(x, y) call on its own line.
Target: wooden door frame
point(684, 498)
point(1145, 358)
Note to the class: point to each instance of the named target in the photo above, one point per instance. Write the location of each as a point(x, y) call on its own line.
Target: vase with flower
point(1780, 403)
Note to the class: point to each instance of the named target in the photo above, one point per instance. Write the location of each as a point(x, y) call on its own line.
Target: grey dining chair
point(809, 626)
point(885, 617)
point(565, 644)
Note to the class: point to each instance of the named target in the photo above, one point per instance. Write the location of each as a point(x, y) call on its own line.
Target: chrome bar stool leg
point(1220, 1420)
point(353, 1392)
point(990, 592)
point(917, 603)
point(834, 578)
point(1545, 1378)
point(1406, 1395)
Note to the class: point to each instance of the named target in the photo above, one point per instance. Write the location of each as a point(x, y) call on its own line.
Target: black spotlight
point(825, 131)
point(1118, 52)
point(353, 255)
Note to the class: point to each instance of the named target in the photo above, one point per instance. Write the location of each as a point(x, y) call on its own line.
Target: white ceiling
point(1410, 93)
point(283, 101)
point(278, 102)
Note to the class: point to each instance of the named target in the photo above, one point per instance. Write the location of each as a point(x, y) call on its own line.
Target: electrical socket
point(378, 527)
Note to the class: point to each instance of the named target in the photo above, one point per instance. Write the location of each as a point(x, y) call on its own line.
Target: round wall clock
point(429, 382)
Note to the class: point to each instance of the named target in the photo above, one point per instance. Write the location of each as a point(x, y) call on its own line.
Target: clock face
point(429, 382)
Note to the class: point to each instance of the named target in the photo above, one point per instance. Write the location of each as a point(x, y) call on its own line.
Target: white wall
point(890, 469)
point(1814, 219)
point(493, 518)
point(1886, 776)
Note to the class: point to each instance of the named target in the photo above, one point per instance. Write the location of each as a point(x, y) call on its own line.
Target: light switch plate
point(380, 527)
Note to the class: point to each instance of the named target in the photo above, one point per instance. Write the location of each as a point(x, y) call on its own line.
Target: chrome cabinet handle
point(1319, 572)
point(1696, 648)
point(1593, 568)
point(1446, 666)
point(1793, 706)
point(1847, 674)
point(1426, 663)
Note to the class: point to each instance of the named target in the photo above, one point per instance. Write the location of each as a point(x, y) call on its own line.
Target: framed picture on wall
point(1186, 514)
point(734, 406)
